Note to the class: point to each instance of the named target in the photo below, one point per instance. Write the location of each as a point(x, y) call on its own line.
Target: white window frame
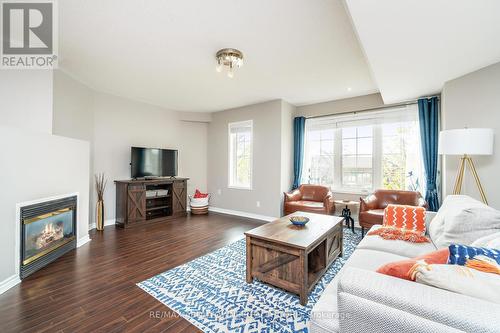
point(230, 156)
point(376, 119)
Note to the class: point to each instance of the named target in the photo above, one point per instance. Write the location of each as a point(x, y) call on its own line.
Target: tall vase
point(100, 215)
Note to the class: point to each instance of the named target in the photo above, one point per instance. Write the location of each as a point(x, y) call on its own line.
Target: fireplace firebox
point(48, 230)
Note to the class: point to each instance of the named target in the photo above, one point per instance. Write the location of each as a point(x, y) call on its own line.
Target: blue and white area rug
point(212, 294)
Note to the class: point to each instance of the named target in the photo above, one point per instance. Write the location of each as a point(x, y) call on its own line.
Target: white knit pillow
point(462, 280)
point(462, 220)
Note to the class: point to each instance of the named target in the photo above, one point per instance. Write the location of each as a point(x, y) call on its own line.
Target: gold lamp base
point(460, 177)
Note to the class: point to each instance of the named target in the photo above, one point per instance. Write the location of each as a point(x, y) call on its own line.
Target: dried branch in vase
point(100, 185)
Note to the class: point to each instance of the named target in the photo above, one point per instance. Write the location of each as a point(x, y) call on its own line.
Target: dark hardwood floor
point(93, 288)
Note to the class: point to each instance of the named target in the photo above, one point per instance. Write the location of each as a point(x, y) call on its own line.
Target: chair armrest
point(295, 195)
point(368, 203)
point(329, 203)
point(373, 302)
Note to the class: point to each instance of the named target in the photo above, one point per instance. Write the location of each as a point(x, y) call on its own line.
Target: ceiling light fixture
point(230, 59)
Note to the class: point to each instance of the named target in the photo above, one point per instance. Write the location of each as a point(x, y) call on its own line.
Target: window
point(360, 152)
point(321, 148)
point(357, 148)
point(401, 157)
point(240, 154)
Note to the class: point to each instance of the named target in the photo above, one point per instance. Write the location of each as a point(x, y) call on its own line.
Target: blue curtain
point(299, 127)
point(428, 113)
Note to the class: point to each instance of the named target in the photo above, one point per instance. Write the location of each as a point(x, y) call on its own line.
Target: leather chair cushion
point(306, 204)
point(374, 216)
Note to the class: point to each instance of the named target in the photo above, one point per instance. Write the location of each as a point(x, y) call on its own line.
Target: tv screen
point(152, 162)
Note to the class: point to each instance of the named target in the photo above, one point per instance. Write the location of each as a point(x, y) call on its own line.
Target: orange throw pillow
point(407, 218)
point(401, 269)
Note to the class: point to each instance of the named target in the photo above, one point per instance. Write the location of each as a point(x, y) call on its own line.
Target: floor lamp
point(466, 142)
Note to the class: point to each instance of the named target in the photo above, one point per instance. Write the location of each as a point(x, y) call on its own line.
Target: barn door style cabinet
point(140, 202)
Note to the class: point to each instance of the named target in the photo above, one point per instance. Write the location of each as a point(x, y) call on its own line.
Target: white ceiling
point(162, 51)
point(414, 46)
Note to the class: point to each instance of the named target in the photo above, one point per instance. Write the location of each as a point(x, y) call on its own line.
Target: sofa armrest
point(329, 203)
point(429, 216)
point(295, 195)
point(369, 301)
point(368, 203)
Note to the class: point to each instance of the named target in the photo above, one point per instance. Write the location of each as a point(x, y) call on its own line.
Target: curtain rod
point(371, 109)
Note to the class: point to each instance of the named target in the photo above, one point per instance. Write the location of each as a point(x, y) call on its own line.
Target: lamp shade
point(466, 141)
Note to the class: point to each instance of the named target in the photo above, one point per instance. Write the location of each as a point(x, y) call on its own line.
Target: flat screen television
point(153, 162)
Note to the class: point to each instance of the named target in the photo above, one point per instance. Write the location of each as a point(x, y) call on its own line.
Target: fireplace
point(48, 230)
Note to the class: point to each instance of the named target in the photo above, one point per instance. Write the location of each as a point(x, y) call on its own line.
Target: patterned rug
point(211, 293)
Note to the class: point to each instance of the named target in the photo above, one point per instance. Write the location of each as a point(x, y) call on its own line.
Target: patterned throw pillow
point(401, 269)
point(459, 254)
point(403, 217)
point(405, 223)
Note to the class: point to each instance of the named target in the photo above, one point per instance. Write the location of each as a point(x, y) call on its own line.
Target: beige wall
point(473, 100)
point(72, 115)
point(34, 164)
point(267, 145)
point(340, 106)
point(121, 124)
point(26, 99)
point(287, 115)
point(113, 124)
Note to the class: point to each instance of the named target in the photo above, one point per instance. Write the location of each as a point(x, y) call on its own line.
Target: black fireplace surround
point(48, 231)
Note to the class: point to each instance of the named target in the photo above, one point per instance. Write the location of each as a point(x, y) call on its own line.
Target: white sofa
point(360, 300)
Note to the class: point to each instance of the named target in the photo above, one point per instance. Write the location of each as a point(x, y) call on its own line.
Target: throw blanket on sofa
point(402, 222)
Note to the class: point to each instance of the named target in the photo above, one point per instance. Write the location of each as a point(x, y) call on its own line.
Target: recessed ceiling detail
point(414, 47)
point(162, 52)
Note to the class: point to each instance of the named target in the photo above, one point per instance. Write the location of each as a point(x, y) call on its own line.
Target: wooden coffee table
point(294, 258)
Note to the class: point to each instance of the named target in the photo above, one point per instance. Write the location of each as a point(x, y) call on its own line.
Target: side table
point(346, 212)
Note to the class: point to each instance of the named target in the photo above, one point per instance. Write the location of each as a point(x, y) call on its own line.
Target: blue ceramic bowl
point(299, 220)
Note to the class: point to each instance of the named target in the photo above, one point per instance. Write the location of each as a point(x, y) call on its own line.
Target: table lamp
point(466, 142)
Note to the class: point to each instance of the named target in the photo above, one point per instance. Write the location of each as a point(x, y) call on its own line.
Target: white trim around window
point(240, 149)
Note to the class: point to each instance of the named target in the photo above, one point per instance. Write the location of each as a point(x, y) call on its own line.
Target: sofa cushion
point(491, 241)
point(462, 220)
point(324, 315)
point(398, 247)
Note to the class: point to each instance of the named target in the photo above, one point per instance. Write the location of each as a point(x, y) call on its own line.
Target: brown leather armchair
point(371, 209)
point(309, 198)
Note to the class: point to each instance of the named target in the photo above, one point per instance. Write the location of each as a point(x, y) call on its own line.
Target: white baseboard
point(242, 214)
point(82, 241)
point(9, 283)
point(106, 223)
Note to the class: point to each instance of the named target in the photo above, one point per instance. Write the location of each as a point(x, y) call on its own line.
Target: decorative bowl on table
point(299, 220)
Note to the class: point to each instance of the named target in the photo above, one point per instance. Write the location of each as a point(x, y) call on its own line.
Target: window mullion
point(377, 157)
point(337, 157)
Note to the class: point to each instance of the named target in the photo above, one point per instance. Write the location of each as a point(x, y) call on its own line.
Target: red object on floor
point(198, 194)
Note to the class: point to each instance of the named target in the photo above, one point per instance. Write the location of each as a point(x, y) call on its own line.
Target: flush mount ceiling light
point(230, 59)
